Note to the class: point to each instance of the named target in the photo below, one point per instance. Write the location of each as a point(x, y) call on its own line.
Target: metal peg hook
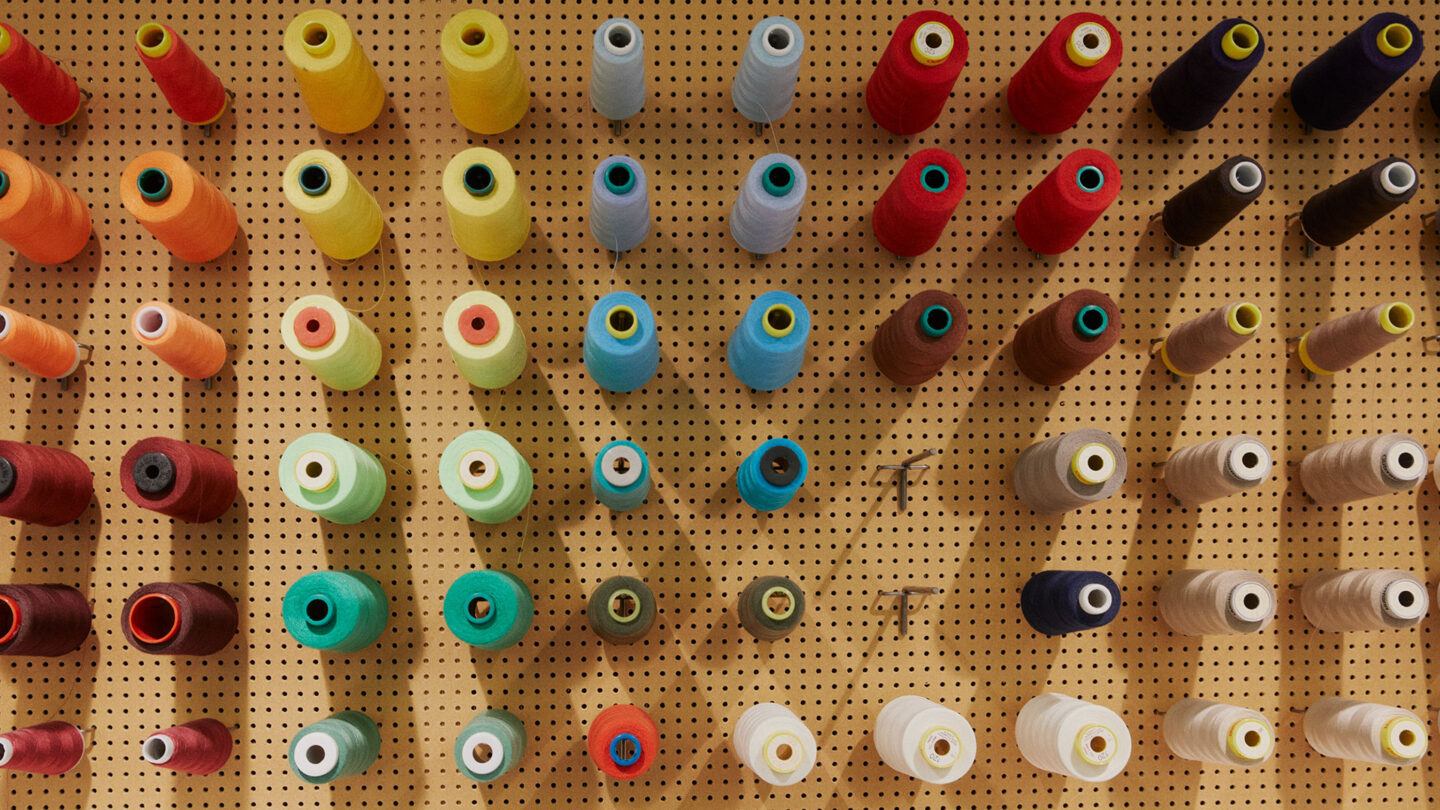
point(905, 468)
point(905, 593)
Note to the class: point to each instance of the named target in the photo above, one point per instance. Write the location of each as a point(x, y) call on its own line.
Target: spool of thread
point(768, 346)
point(767, 211)
point(1057, 83)
point(42, 88)
point(913, 213)
point(186, 212)
point(619, 204)
point(342, 745)
point(333, 478)
point(1058, 212)
point(922, 739)
point(334, 344)
point(189, 345)
point(764, 86)
point(50, 748)
point(1340, 213)
point(1336, 345)
point(43, 485)
point(770, 608)
point(775, 744)
point(622, 610)
point(1352, 601)
point(916, 341)
point(623, 741)
point(43, 620)
point(1060, 734)
point(185, 481)
point(488, 345)
point(490, 745)
point(912, 82)
point(1059, 341)
point(1434, 95)
point(179, 618)
point(45, 221)
point(340, 214)
point(1365, 732)
point(1363, 467)
point(621, 349)
point(1218, 733)
point(337, 611)
point(621, 476)
point(617, 69)
point(769, 477)
point(192, 88)
point(488, 93)
point(1197, 345)
point(1069, 471)
point(1060, 602)
point(1341, 84)
point(490, 610)
point(36, 346)
point(486, 477)
point(339, 86)
point(1217, 468)
point(1202, 209)
point(198, 747)
point(1217, 602)
point(489, 217)
point(1189, 93)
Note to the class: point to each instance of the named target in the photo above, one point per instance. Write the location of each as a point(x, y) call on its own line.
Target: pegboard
point(842, 539)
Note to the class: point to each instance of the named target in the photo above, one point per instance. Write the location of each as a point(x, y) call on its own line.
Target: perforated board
point(843, 538)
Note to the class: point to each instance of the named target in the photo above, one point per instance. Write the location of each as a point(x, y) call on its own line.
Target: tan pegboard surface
point(693, 541)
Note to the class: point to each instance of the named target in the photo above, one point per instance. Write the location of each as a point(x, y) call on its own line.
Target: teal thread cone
point(489, 609)
point(342, 745)
point(339, 611)
point(332, 478)
point(617, 489)
point(768, 478)
point(501, 734)
point(487, 478)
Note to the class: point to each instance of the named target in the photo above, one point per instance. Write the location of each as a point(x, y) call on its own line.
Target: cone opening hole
point(621, 465)
point(624, 606)
point(780, 465)
point(1398, 37)
point(1248, 316)
point(315, 754)
point(479, 180)
point(941, 747)
point(317, 610)
point(477, 467)
point(154, 618)
point(315, 34)
point(778, 38)
point(622, 320)
point(9, 619)
point(1250, 460)
point(1406, 598)
point(1399, 177)
point(1400, 317)
point(1098, 743)
point(779, 318)
point(1093, 321)
point(151, 322)
point(619, 37)
point(154, 184)
point(314, 180)
point(1241, 37)
point(151, 35)
point(779, 179)
point(1251, 601)
point(154, 749)
point(934, 179)
point(1408, 737)
point(625, 750)
point(480, 609)
point(619, 179)
point(784, 752)
point(779, 602)
point(1246, 177)
point(473, 35)
point(1252, 739)
point(1098, 598)
point(482, 753)
point(1090, 178)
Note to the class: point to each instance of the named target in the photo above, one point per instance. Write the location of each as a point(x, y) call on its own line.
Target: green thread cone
point(332, 478)
point(486, 477)
point(504, 606)
point(339, 611)
point(490, 745)
point(342, 745)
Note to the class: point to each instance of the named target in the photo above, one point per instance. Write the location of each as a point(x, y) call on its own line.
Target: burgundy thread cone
point(49, 748)
point(179, 618)
point(43, 485)
point(185, 481)
point(45, 620)
point(197, 747)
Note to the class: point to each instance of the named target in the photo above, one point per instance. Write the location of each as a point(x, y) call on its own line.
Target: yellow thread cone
point(488, 215)
point(340, 214)
point(340, 87)
point(487, 87)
